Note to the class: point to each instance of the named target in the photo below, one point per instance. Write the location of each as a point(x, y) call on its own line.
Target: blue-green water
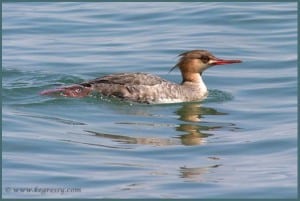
point(241, 142)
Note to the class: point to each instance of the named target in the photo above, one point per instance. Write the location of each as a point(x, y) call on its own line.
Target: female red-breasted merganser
point(147, 88)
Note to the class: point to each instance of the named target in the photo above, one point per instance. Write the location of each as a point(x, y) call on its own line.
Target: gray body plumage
point(144, 88)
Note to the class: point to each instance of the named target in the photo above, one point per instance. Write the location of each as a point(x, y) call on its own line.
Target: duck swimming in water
point(148, 88)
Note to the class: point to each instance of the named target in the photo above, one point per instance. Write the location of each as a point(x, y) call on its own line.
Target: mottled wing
point(137, 87)
point(133, 79)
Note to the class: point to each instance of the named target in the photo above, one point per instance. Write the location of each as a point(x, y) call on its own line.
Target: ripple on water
point(216, 95)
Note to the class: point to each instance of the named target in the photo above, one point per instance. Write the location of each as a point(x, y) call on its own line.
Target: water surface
point(241, 142)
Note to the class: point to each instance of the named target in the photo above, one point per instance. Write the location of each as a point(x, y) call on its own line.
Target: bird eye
point(204, 59)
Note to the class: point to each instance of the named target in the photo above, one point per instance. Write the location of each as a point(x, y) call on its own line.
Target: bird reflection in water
point(194, 129)
point(191, 113)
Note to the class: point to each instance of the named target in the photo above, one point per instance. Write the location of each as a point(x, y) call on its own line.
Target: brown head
point(197, 61)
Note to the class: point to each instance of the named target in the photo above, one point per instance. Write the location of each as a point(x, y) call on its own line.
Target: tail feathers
point(76, 91)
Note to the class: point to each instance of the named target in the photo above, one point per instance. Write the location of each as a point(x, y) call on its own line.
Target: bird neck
point(193, 79)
